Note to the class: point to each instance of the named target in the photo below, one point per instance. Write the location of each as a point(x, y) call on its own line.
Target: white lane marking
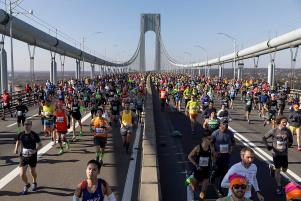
point(128, 187)
point(290, 175)
point(15, 172)
point(27, 118)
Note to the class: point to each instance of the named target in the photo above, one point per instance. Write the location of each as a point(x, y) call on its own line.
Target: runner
point(192, 110)
point(281, 138)
point(295, 123)
point(6, 104)
point(163, 98)
point(93, 188)
point(201, 158)
point(247, 169)
point(115, 108)
point(248, 107)
point(48, 119)
point(238, 186)
point(212, 123)
point(28, 155)
point(100, 128)
point(76, 117)
point(21, 111)
point(223, 141)
point(127, 122)
point(61, 125)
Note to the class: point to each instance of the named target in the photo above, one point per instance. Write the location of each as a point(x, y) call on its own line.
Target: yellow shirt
point(126, 118)
point(193, 107)
point(48, 110)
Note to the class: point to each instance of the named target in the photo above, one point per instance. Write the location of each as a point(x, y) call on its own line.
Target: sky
point(184, 24)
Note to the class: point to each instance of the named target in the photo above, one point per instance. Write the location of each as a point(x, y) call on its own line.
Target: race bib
point(99, 130)
point(280, 145)
point(224, 148)
point(20, 113)
point(74, 108)
point(60, 119)
point(249, 102)
point(28, 152)
point(203, 161)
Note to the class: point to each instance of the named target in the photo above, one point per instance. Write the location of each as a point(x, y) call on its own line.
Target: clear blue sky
point(184, 24)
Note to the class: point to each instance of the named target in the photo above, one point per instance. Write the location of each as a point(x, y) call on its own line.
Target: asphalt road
point(173, 151)
point(58, 175)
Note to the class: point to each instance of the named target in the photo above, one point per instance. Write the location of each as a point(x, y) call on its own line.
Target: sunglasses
point(237, 187)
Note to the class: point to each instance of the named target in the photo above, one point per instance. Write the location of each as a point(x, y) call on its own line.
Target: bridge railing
point(295, 92)
point(28, 101)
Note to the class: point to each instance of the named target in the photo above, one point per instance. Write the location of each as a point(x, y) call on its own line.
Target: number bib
point(203, 161)
point(60, 119)
point(20, 113)
point(28, 152)
point(281, 145)
point(249, 102)
point(99, 130)
point(224, 148)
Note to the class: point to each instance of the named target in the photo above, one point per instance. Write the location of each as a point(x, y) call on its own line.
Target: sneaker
point(299, 149)
point(81, 133)
point(67, 145)
point(189, 180)
point(34, 187)
point(61, 151)
point(25, 189)
point(202, 196)
point(52, 143)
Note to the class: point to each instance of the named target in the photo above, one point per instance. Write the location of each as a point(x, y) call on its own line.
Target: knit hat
point(236, 179)
point(293, 191)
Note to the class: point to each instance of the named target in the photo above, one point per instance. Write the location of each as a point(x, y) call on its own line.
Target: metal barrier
point(295, 92)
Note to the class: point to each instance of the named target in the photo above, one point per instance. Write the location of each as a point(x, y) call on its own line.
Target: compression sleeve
point(111, 197)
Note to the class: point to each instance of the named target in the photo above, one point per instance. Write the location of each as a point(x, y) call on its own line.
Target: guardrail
point(295, 92)
point(28, 101)
point(149, 187)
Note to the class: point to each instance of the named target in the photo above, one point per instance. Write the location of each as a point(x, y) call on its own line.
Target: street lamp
point(84, 39)
point(234, 41)
point(198, 46)
point(11, 12)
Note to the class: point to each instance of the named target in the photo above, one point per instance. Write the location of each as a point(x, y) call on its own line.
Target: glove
point(269, 147)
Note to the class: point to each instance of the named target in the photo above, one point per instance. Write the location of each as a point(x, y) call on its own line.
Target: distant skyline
point(184, 24)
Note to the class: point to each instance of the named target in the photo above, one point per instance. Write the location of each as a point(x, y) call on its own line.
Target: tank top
point(204, 157)
point(61, 121)
point(213, 124)
point(75, 109)
point(96, 196)
point(126, 118)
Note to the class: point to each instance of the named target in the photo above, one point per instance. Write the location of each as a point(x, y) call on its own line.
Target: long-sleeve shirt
point(249, 173)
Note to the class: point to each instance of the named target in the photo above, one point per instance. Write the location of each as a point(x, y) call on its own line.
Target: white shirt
point(249, 173)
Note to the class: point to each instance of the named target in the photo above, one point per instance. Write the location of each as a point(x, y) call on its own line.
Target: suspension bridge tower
point(150, 22)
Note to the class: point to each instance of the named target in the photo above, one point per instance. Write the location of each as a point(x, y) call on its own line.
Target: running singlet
point(193, 107)
point(126, 118)
point(89, 196)
point(48, 110)
point(163, 94)
point(100, 124)
point(61, 121)
point(213, 124)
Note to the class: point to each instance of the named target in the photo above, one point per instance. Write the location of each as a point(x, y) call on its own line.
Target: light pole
point(205, 50)
point(84, 39)
point(11, 8)
point(234, 41)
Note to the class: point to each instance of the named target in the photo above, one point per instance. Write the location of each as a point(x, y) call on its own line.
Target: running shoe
point(25, 189)
point(61, 151)
point(34, 187)
point(67, 145)
point(189, 180)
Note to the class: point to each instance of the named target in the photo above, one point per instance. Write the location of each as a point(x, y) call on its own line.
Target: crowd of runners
point(209, 102)
point(111, 101)
point(117, 101)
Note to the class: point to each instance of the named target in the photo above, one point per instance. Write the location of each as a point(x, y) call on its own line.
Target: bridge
point(158, 165)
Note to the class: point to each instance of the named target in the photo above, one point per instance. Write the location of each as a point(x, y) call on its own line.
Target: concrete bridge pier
point(293, 65)
point(31, 61)
point(3, 72)
point(221, 70)
point(208, 71)
point(271, 70)
point(240, 68)
point(92, 70)
point(53, 69)
point(77, 70)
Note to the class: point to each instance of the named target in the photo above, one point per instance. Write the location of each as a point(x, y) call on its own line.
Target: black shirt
point(21, 110)
point(28, 141)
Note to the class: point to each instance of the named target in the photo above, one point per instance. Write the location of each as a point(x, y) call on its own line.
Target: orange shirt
point(97, 123)
point(61, 121)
